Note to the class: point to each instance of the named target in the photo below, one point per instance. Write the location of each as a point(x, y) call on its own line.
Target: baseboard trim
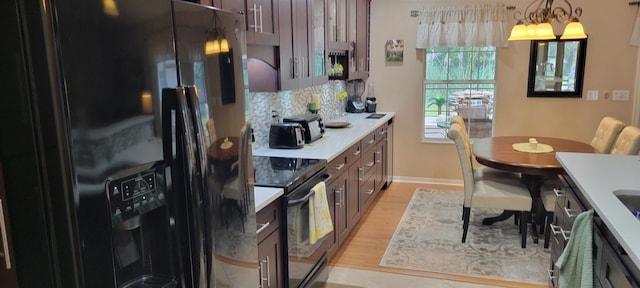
point(421, 180)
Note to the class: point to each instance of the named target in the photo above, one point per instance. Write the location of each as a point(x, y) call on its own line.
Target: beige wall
point(610, 65)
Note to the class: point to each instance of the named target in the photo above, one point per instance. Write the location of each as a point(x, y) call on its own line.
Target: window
point(459, 81)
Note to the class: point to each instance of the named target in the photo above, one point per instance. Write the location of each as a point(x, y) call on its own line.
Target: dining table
point(536, 164)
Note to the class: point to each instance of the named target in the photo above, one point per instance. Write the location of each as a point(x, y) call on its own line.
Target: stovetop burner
point(287, 173)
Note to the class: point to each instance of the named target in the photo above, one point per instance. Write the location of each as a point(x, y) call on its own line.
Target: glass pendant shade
point(544, 32)
point(574, 31)
point(519, 32)
point(224, 45)
point(531, 30)
point(213, 47)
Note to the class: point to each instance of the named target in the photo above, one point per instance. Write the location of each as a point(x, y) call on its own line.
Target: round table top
point(497, 152)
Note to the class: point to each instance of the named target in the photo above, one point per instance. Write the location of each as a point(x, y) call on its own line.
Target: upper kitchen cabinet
point(261, 19)
point(337, 30)
point(357, 35)
point(302, 43)
point(348, 39)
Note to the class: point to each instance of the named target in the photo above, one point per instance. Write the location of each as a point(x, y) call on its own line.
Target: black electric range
point(286, 173)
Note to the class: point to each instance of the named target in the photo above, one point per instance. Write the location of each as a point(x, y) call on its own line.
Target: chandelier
point(535, 22)
point(216, 40)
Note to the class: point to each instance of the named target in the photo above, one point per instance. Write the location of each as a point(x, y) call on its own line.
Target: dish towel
point(320, 223)
point(575, 264)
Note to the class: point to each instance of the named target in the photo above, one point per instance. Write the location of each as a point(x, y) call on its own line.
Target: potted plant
point(438, 100)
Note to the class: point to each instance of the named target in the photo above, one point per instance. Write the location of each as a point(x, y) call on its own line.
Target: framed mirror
point(556, 68)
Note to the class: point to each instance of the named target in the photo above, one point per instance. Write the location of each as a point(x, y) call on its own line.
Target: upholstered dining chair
point(489, 188)
point(628, 142)
point(606, 134)
point(460, 121)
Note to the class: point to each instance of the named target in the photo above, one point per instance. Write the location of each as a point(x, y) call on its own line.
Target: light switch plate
point(620, 95)
point(592, 95)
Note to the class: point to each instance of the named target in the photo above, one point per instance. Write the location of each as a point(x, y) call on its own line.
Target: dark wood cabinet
point(302, 43)
point(270, 248)
point(261, 19)
point(358, 176)
point(380, 152)
point(357, 37)
point(337, 25)
point(338, 202)
point(611, 266)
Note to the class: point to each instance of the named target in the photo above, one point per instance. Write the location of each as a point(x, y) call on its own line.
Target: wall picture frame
point(394, 50)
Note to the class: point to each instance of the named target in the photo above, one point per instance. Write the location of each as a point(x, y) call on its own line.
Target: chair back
point(606, 134)
point(461, 139)
point(628, 142)
point(460, 121)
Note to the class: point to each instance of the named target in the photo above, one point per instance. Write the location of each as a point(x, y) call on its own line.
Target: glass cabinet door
point(319, 40)
point(337, 30)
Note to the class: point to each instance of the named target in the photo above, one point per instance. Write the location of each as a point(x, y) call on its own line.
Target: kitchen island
point(598, 178)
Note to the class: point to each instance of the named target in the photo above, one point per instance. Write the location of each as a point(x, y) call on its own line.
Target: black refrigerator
point(125, 144)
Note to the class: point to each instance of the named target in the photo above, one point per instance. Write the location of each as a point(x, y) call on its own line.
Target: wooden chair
point(627, 142)
point(606, 134)
point(489, 188)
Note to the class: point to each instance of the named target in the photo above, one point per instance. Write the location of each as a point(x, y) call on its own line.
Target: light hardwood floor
point(369, 239)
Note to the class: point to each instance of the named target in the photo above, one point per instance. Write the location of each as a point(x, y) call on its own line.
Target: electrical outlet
point(620, 95)
point(592, 95)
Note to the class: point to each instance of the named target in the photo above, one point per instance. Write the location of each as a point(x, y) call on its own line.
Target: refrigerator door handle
point(174, 100)
point(5, 241)
point(194, 193)
point(201, 172)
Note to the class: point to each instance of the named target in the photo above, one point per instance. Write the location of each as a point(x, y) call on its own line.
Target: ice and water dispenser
point(142, 250)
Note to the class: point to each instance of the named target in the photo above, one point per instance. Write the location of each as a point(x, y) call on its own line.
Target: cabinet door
point(318, 47)
point(333, 201)
point(362, 38)
point(262, 22)
point(337, 30)
point(380, 168)
point(270, 254)
point(296, 38)
point(357, 19)
point(342, 226)
point(261, 18)
point(353, 192)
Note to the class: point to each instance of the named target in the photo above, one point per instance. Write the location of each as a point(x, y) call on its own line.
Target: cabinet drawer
point(354, 154)
point(368, 141)
point(381, 132)
point(268, 219)
point(366, 191)
point(572, 207)
point(339, 164)
point(368, 162)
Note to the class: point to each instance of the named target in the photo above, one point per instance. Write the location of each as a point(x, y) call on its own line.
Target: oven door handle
point(301, 200)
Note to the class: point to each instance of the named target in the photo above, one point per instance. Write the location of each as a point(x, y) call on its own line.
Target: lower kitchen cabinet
point(609, 268)
point(352, 191)
point(270, 248)
point(337, 198)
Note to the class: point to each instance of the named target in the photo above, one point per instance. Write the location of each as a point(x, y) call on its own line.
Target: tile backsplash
point(292, 102)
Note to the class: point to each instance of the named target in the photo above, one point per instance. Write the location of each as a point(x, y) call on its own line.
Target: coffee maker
point(355, 88)
point(142, 251)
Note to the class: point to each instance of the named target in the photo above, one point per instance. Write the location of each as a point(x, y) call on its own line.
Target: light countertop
point(265, 195)
point(597, 176)
point(334, 141)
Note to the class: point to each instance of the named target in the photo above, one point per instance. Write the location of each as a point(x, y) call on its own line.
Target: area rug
point(428, 238)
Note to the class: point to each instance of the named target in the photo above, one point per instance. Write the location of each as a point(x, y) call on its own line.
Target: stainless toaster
point(312, 126)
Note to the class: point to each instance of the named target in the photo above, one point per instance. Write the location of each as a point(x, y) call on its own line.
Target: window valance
point(468, 25)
